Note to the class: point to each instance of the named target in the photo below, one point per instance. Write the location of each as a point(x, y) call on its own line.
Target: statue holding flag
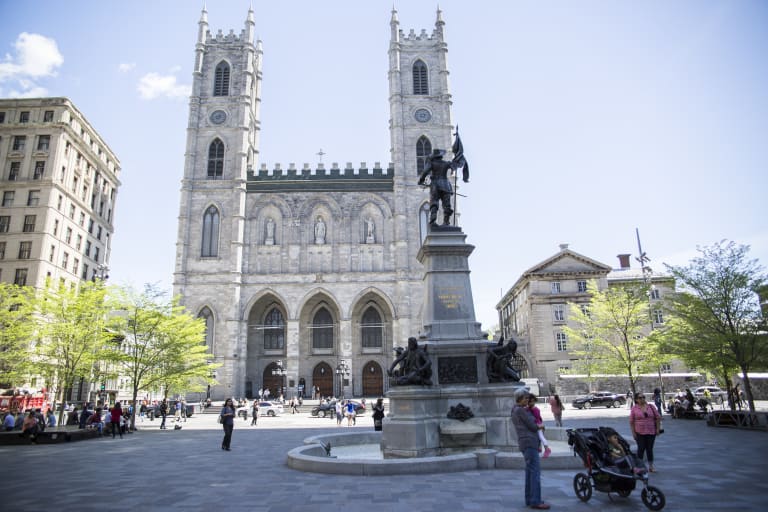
point(440, 189)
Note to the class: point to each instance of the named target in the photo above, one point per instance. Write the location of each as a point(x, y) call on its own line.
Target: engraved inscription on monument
point(457, 370)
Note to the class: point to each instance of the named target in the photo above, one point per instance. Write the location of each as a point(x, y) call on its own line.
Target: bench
point(691, 414)
point(50, 436)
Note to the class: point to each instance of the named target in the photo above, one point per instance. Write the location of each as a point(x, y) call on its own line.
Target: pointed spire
point(250, 13)
point(204, 15)
point(439, 20)
point(394, 16)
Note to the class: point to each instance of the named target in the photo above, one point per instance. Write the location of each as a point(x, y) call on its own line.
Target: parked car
point(329, 409)
point(265, 409)
point(153, 411)
point(599, 399)
point(717, 394)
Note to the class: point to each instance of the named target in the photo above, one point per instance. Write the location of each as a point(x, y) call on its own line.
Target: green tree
point(162, 346)
point(610, 333)
point(71, 333)
point(719, 326)
point(16, 331)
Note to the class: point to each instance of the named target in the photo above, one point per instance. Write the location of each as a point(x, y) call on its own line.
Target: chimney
point(563, 247)
point(623, 261)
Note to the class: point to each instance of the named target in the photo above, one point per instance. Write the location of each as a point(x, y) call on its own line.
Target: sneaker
point(547, 452)
point(541, 506)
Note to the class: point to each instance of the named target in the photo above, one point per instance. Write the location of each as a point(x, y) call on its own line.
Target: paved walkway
point(700, 468)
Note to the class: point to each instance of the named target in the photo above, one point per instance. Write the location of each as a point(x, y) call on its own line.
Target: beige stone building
point(535, 309)
point(305, 269)
point(59, 187)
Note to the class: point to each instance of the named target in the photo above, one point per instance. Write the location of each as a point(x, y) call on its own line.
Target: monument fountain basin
point(312, 457)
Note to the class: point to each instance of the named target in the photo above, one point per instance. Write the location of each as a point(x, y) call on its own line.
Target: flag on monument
point(458, 156)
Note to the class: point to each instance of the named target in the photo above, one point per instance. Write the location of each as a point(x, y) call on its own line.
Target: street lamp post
point(342, 370)
point(282, 372)
point(643, 259)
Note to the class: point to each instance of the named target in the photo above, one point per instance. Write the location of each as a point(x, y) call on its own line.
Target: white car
point(265, 409)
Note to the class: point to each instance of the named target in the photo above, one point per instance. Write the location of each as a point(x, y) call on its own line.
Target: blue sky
point(582, 120)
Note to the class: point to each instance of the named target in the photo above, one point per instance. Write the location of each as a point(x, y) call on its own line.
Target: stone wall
point(569, 386)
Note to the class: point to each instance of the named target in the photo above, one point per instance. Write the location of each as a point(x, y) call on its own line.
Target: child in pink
point(537, 418)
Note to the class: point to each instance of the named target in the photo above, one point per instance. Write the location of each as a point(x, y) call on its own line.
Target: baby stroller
point(606, 474)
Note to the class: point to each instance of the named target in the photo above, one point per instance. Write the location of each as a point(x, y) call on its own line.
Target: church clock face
point(422, 115)
point(218, 116)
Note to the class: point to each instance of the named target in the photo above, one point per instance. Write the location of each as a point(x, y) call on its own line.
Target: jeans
point(116, 427)
point(227, 435)
point(532, 477)
point(645, 446)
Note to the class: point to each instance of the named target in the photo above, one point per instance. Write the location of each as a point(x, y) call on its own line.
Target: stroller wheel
point(653, 498)
point(582, 486)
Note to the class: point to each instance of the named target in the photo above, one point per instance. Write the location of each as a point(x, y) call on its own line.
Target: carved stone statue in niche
point(319, 230)
point(370, 231)
point(269, 239)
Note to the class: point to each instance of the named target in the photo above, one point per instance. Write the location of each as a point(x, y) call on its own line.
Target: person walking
point(163, 413)
point(255, 412)
point(645, 422)
point(378, 414)
point(116, 413)
point(556, 407)
point(658, 400)
point(528, 442)
point(228, 422)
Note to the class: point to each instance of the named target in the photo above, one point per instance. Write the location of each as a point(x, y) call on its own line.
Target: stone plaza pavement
point(699, 468)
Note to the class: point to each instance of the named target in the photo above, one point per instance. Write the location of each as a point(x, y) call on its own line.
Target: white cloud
point(36, 56)
point(125, 67)
point(154, 85)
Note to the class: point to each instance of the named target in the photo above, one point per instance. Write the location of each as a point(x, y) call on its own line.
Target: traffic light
point(103, 386)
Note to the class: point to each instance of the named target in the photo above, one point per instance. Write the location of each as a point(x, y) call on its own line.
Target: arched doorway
point(373, 379)
point(322, 377)
point(273, 383)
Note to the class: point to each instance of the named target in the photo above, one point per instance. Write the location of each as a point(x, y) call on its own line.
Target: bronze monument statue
point(440, 189)
point(415, 366)
point(499, 362)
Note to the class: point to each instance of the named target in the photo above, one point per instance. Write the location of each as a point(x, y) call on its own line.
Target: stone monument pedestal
point(418, 423)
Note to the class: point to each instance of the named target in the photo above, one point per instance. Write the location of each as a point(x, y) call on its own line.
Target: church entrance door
point(373, 380)
point(322, 377)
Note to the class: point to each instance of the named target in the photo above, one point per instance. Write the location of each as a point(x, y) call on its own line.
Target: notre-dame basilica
point(306, 276)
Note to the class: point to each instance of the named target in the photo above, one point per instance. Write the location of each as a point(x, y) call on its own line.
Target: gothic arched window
point(322, 329)
point(420, 85)
point(216, 159)
point(207, 315)
point(210, 233)
point(274, 330)
point(372, 329)
point(423, 151)
point(221, 80)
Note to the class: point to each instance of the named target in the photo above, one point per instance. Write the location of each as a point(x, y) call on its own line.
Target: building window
point(420, 85)
point(39, 171)
point(88, 248)
point(29, 223)
point(210, 247)
point(90, 226)
point(221, 80)
point(585, 310)
point(372, 330)
point(13, 175)
point(79, 242)
point(55, 227)
point(322, 330)
point(562, 341)
point(82, 219)
point(25, 250)
point(207, 315)
point(558, 312)
point(216, 159)
point(68, 236)
point(23, 117)
point(75, 265)
point(582, 286)
point(43, 142)
point(48, 116)
point(2, 117)
point(655, 293)
point(98, 233)
point(96, 254)
point(2, 250)
point(423, 152)
point(8, 198)
point(65, 260)
point(20, 278)
point(274, 330)
point(72, 211)
point(658, 316)
point(33, 198)
point(84, 275)
point(666, 368)
point(555, 287)
point(52, 253)
point(5, 222)
point(19, 141)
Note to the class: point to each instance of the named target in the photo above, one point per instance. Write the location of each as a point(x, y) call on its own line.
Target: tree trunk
point(748, 389)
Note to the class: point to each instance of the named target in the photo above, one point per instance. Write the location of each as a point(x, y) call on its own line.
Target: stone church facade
point(298, 270)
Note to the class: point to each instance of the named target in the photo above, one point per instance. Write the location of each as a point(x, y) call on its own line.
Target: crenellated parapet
point(220, 37)
point(320, 178)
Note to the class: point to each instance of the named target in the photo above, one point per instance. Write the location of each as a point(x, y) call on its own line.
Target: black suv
point(329, 409)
